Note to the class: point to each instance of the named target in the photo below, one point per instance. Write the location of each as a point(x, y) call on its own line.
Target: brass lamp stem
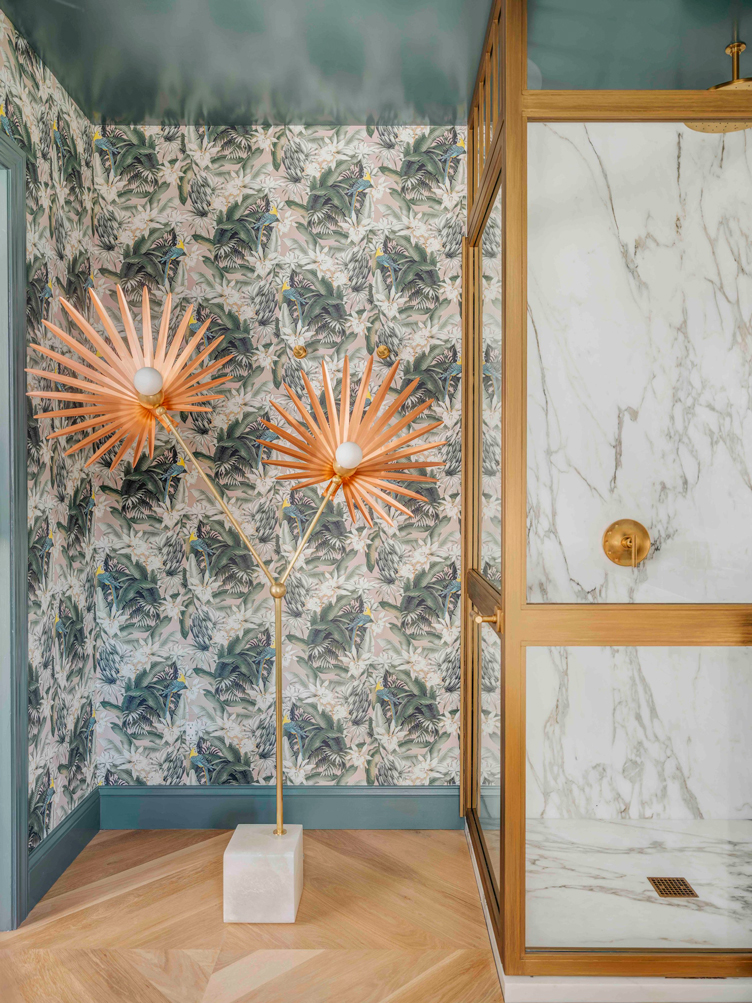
point(277, 590)
point(280, 830)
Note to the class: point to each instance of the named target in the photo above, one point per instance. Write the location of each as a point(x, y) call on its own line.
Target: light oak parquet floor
point(386, 917)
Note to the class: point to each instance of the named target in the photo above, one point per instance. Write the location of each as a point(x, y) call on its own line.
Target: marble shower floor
point(587, 883)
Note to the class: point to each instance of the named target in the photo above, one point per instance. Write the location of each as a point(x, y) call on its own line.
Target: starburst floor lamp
point(127, 386)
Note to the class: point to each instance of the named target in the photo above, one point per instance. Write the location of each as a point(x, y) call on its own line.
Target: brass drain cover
point(673, 888)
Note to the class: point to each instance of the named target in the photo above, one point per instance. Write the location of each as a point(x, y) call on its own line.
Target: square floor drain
point(673, 888)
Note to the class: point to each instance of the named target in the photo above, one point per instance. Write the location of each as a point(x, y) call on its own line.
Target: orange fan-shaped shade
point(106, 390)
point(386, 454)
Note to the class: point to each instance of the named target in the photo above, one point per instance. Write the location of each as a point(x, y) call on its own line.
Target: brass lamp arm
point(166, 420)
point(329, 493)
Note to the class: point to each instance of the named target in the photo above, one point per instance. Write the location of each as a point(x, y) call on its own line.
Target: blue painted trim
point(314, 807)
point(58, 850)
point(14, 733)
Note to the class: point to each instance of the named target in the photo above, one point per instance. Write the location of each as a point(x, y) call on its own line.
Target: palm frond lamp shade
point(358, 450)
point(127, 385)
point(124, 386)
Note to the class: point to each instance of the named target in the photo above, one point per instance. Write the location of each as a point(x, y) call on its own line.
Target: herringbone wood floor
point(385, 916)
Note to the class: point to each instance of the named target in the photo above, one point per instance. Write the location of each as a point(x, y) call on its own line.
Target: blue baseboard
point(225, 807)
point(58, 851)
point(313, 807)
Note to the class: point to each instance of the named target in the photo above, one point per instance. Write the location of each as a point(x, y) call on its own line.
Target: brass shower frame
point(500, 111)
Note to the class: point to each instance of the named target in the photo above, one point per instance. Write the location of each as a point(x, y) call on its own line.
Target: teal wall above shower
point(314, 62)
point(635, 45)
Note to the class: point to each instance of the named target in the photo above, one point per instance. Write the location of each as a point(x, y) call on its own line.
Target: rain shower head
point(733, 49)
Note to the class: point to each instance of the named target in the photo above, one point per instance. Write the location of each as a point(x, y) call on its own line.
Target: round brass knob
point(383, 351)
point(626, 542)
point(300, 351)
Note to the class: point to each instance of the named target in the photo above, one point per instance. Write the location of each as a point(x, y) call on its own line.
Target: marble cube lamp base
point(263, 875)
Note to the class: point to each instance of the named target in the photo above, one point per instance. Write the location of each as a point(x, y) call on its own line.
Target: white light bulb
point(349, 455)
point(147, 381)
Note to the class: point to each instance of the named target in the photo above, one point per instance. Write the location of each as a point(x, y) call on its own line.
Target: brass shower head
point(733, 49)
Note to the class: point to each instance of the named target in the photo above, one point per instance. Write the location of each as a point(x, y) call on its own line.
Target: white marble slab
point(587, 884)
point(596, 989)
point(263, 874)
point(650, 732)
point(639, 360)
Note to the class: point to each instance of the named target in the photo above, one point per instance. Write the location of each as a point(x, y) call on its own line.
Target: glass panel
point(610, 44)
point(490, 502)
point(489, 773)
point(639, 347)
point(639, 765)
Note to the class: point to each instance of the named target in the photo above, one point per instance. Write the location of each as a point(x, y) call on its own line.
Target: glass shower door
point(484, 580)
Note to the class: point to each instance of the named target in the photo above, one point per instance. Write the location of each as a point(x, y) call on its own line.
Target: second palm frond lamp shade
point(125, 386)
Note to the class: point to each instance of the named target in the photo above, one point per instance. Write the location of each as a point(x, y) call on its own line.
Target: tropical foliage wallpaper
point(333, 241)
point(150, 626)
point(37, 115)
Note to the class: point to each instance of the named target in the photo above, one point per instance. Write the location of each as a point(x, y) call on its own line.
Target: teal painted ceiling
point(245, 61)
point(635, 44)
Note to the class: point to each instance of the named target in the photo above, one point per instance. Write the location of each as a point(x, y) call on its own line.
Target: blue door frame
point(13, 541)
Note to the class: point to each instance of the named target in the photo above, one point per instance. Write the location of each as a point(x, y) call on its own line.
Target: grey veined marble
point(639, 733)
point(639, 360)
point(587, 884)
point(639, 764)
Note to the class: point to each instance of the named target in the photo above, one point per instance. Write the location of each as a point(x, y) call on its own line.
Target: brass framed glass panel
point(488, 374)
point(638, 828)
point(483, 413)
point(482, 491)
point(612, 669)
point(488, 801)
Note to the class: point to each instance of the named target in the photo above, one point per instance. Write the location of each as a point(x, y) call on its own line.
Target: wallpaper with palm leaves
point(38, 115)
point(332, 240)
point(336, 240)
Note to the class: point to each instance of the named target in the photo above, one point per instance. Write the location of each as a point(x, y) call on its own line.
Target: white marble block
point(263, 875)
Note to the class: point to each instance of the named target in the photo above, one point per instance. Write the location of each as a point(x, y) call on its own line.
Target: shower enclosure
point(607, 386)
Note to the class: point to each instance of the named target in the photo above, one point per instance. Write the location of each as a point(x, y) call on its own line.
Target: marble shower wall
point(636, 733)
point(639, 360)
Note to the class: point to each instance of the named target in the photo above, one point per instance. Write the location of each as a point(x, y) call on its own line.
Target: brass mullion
point(490, 71)
point(492, 28)
point(636, 624)
point(501, 49)
point(487, 188)
point(475, 478)
point(514, 501)
point(483, 122)
point(470, 507)
point(470, 178)
point(689, 964)
point(488, 88)
point(635, 106)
